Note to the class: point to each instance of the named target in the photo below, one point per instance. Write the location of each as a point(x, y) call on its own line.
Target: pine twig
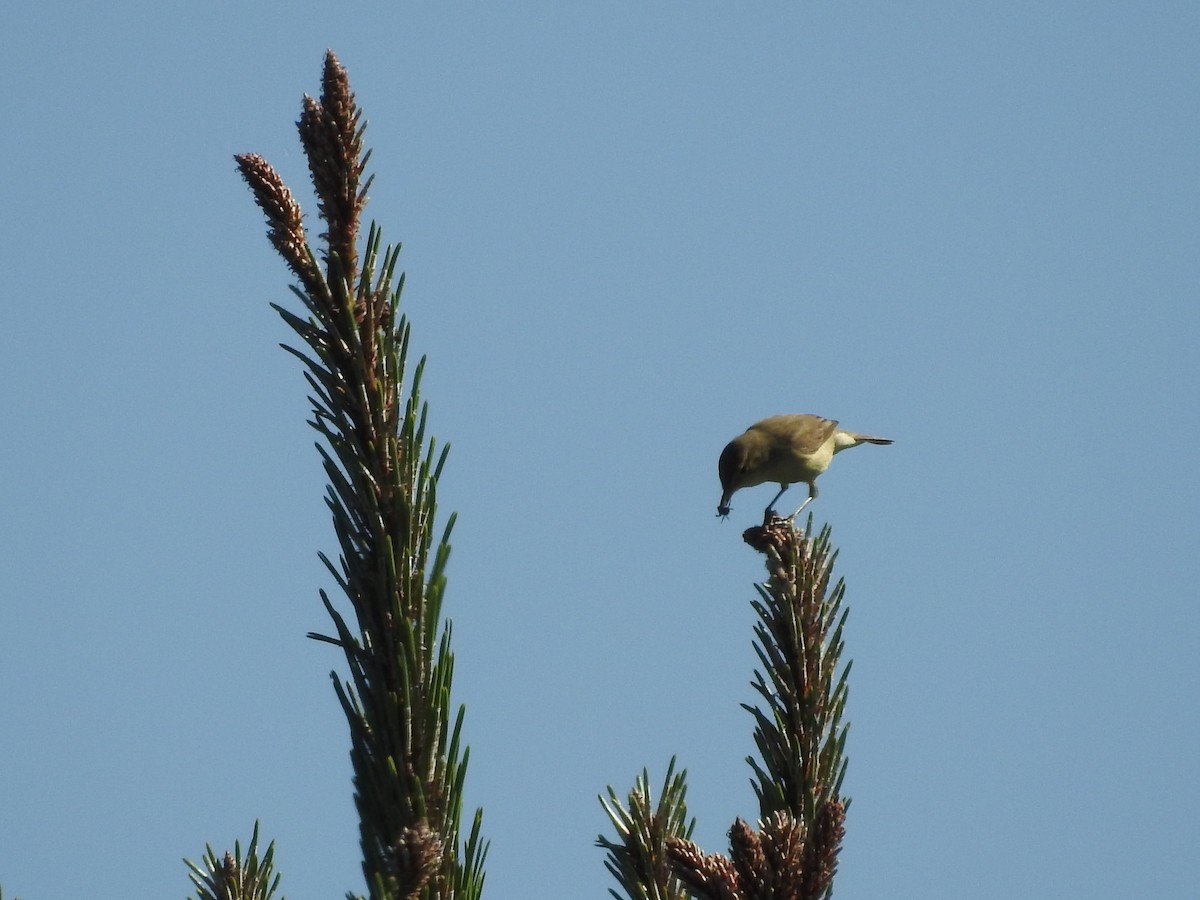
point(798, 731)
point(234, 876)
point(382, 466)
point(638, 859)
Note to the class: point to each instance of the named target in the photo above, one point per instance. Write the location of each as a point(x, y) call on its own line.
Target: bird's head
point(730, 468)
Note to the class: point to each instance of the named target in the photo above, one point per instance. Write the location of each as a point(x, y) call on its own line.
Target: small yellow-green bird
point(787, 450)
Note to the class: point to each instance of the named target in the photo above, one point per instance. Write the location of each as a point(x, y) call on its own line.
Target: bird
point(787, 450)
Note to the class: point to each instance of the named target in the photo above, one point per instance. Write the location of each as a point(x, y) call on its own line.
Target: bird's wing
point(802, 432)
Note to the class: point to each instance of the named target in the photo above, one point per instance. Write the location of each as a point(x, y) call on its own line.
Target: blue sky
point(630, 230)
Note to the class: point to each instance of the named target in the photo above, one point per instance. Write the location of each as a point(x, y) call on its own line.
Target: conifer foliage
point(382, 466)
point(800, 737)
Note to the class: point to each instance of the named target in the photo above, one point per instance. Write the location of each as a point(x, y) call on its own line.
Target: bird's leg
point(812, 495)
point(771, 505)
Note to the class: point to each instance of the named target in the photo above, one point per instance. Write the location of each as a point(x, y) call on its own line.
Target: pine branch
point(799, 734)
point(236, 877)
point(798, 640)
point(639, 859)
point(382, 467)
